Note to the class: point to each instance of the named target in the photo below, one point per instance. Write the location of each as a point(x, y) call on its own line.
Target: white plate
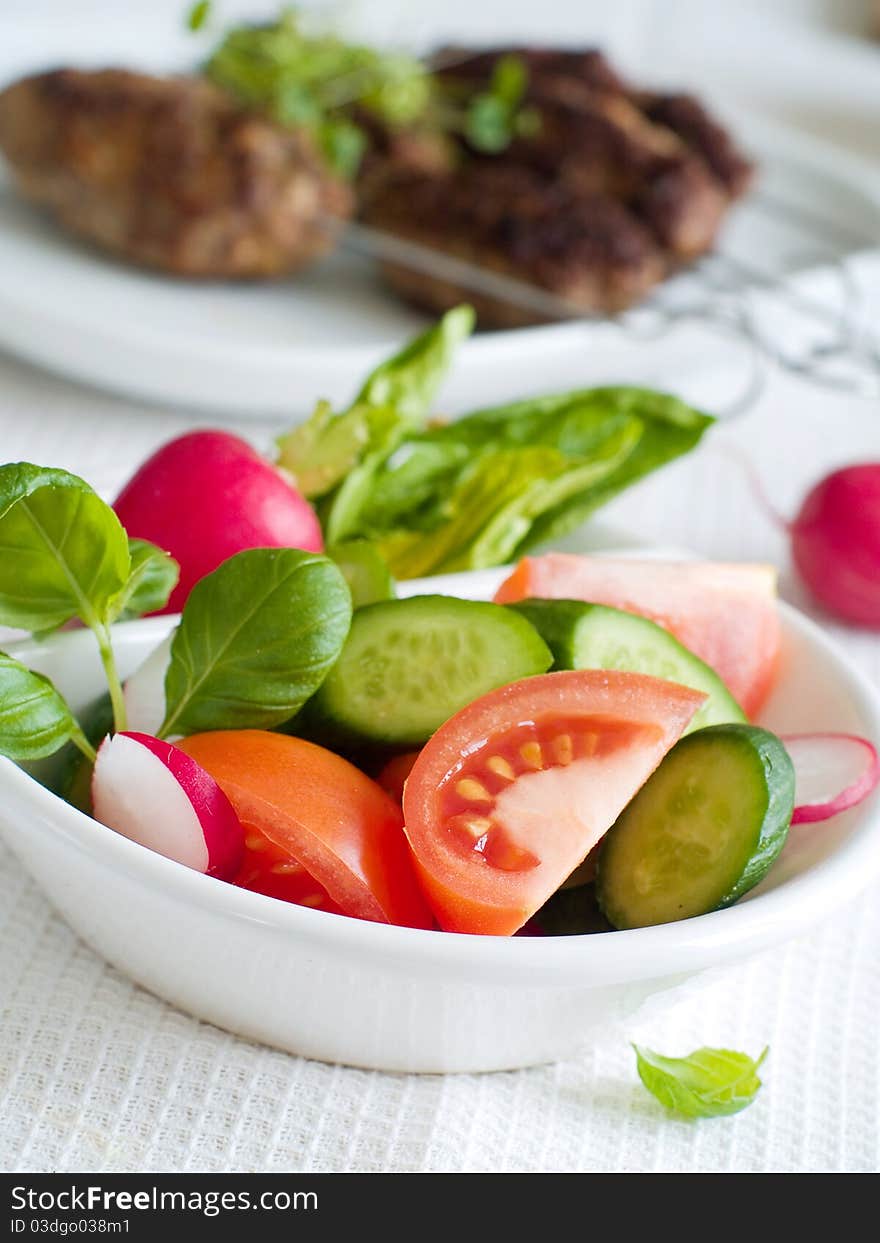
point(372, 995)
point(251, 351)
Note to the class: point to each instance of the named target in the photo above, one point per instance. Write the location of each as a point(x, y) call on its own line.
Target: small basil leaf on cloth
point(63, 552)
point(34, 719)
point(256, 640)
point(152, 579)
point(708, 1083)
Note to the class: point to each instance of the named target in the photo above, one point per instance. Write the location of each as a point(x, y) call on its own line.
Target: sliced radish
point(832, 772)
point(144, 691)
point(156, 794)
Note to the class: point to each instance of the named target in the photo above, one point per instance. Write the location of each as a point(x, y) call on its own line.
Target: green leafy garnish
point(364, 569)
point(35, 721)
point(494, 117)
point(397, 395)
point(709, 1083)
point(494, 504)
point(198, 15)
point(256, 639)
point(64, 555)
point(485, 488)
point(63, 552)
point(312, 78)
point(151, 580)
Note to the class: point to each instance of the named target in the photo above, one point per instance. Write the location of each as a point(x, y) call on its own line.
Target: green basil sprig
point(256, 639)
point(709, 1083)
point(65, 555)
point(64, 552)
point(151, 580)
point(34, 718)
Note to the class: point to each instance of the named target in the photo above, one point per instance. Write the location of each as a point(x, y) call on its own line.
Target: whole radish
point(835, 542)
point(207, 495)
point(834, 538)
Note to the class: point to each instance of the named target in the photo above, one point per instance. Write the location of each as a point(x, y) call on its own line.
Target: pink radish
point(832, 772)
point(835, 538)
point(835, 542)
point(155, 794)
point(208, 495)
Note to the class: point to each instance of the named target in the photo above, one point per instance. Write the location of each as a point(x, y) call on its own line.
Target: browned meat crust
point(624, 186)
point(169, 172)
point(686, 117)
point(585, 248)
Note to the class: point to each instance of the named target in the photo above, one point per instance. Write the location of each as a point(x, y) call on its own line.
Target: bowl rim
point(662, 950)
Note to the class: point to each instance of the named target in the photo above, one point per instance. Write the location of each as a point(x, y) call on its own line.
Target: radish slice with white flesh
point(832, 773)
point(155, 794)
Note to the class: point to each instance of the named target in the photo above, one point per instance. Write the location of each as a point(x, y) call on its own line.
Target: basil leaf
point(709, 1083)
point(256, 640)
point(34, 719)
point(63, 552)
point(152, 579)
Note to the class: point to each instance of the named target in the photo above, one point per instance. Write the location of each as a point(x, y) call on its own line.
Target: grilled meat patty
point(170, 173)
point(580, 246)
point(614, 190)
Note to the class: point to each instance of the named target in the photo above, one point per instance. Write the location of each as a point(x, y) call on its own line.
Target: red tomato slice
point(321, 811)
point(725, 614)
point(512, 793)
point(272, 870)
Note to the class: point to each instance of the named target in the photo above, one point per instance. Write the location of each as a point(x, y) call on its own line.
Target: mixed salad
point(577, 754)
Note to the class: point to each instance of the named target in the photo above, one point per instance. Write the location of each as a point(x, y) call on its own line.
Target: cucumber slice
point(365, 569)
point(409, 665)
point(702, 831)
point(594, 636)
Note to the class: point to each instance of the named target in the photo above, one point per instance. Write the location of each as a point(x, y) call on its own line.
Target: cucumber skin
point(779, 777)
point(557, 622)
point(779, 773)
point(323, 720)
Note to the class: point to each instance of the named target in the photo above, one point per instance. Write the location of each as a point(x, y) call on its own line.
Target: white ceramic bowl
point(372, 995)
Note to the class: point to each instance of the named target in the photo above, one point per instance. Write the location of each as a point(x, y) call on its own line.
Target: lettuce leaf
point(395, 398)
point(485, 488)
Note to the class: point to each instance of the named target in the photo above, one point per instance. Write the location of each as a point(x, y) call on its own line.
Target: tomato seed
point(563, 749)
point(501, 767)
point(532, 754)
point(474, 791)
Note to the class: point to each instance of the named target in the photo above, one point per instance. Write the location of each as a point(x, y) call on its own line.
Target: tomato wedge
point(726, 614)
point(272, 870)
point(321, 812)
point(393, 776)
point(512, 793)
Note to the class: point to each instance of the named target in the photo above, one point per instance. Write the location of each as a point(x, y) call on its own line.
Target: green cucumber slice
point(365, 569)
point(702, 831)
point(593, 636)
point(409, 665)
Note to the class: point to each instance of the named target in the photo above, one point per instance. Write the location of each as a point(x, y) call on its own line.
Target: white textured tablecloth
point(98, 1075)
